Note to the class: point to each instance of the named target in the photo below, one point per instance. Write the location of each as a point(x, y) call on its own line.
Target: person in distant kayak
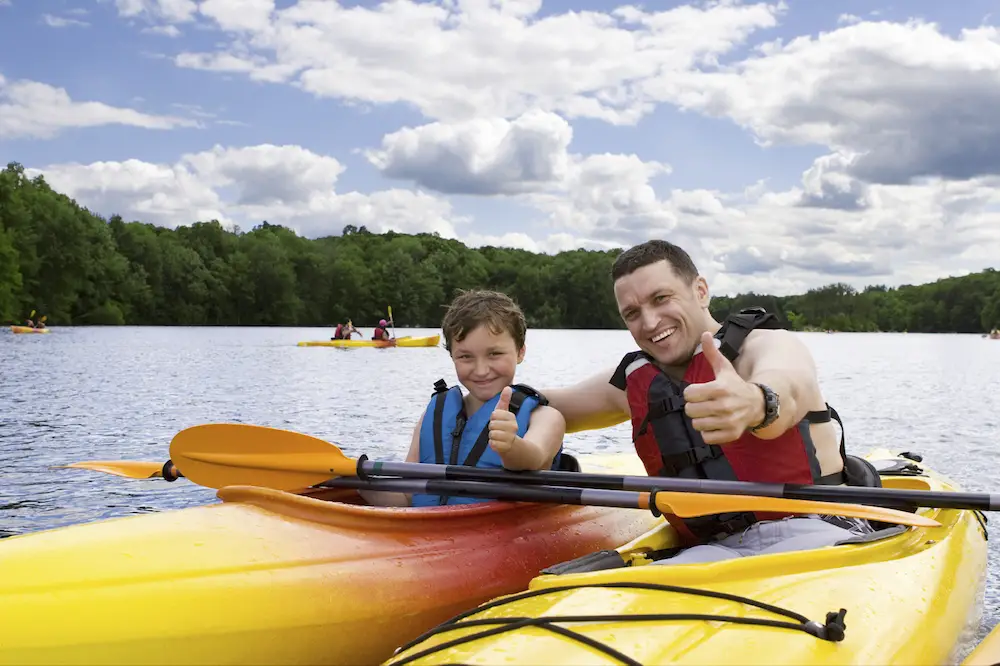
point(497, 424)
point(737, 400)
point(381, 332)
point(344, 332)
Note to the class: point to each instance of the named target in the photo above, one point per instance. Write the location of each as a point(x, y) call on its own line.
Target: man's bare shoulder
point(773, 345)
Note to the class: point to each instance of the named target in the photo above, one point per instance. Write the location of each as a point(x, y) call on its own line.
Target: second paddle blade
point(700, 504)
point(130, 469)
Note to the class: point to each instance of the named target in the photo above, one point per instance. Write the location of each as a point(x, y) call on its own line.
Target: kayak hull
point(912, 598)
point(425, 341)
point(272, 577)
point(27, 329)
point(986, 653)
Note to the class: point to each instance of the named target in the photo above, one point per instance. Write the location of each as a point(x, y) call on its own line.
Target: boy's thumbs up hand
point(503, 424)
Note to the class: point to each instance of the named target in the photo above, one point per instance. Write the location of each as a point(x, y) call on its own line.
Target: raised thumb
point(504, 404)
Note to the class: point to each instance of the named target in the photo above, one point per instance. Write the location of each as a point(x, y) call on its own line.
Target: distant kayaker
point(344, 332)
point(380, 332)
point(738, 400)
point(497, 424)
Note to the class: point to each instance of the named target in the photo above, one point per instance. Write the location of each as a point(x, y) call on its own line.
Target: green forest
point(78, 268)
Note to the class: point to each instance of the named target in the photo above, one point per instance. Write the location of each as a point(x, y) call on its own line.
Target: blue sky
point(786, 145)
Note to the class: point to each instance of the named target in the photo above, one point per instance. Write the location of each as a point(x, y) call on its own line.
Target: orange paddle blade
point(226, 454)
point(690, 505)
point(131, 469)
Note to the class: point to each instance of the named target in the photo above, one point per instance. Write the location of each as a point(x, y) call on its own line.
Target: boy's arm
point(383, 498)
point(540, 443)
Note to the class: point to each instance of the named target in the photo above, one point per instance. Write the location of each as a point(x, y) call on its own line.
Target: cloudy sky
point(785, 145)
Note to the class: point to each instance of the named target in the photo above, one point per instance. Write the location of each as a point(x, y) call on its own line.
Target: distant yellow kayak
point(407, 341)
point(27, 329)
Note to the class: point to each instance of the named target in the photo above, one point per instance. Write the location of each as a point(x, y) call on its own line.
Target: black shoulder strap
point(522, 391)
point(737, 326)
point(440, 393)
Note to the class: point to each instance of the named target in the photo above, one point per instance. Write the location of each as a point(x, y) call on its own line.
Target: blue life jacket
point(448, 436)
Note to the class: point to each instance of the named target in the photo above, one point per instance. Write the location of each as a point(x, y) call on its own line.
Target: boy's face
point(485, 361)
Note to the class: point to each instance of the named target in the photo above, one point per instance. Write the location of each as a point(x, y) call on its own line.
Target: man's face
point(665, 314)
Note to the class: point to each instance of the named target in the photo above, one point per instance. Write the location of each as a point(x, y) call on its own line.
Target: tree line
point(78, 268)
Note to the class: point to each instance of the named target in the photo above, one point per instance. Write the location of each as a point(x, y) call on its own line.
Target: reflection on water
point(122, 393)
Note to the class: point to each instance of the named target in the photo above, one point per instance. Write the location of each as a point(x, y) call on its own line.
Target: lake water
point(124, 392)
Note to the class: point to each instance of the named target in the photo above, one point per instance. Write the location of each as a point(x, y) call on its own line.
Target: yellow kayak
point(270, 577)
point(908, 597)
point(986, 653)
point(407, 341)
point(27, 329)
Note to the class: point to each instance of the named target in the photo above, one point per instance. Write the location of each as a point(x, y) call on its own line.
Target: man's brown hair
point(478, 307)
point(650, 252)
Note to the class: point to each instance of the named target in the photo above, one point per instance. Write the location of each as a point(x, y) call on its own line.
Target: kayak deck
point(407, 341)
point(273, 577)
point(909, 598)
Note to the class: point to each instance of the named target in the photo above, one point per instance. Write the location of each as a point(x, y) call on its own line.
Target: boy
point(495, 424)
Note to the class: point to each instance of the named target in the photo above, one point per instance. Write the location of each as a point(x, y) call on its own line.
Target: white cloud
point(174, 11)
point(283, 184)
point(462, 59)
point(165, 30)
point(897, 101)
point(37, 110)
point(62, 22)
point(267, 175)
point(481, 156)
point(6, 3)
point(239, 15)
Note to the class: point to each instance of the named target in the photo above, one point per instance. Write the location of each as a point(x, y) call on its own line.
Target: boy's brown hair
point(479, 307)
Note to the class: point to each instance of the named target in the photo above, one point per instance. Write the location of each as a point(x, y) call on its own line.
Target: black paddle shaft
point(485, 490)
point(892, 498)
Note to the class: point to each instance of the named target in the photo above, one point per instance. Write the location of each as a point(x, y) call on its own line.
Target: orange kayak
point(274, 577)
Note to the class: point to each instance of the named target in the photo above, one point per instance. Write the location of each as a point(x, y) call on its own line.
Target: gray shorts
point(775, 536)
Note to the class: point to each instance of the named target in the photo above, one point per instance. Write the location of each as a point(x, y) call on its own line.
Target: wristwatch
point(772, 407)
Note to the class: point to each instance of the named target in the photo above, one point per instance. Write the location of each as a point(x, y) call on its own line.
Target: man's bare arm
point(590, 404)
point(781, 360)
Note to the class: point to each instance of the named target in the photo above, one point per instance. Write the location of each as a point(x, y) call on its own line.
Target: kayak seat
point(568, 463)
point(860, 472)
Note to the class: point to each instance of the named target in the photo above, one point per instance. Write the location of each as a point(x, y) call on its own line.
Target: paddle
point(337, 463)
point(217, 455)
point(392, 323)
point(130, 469)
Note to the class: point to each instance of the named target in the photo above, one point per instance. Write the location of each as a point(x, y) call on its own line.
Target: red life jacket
point(379, 333)
point(669, 445)
point(338, 334)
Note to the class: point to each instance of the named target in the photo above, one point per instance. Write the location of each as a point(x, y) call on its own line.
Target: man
point(732, 401)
